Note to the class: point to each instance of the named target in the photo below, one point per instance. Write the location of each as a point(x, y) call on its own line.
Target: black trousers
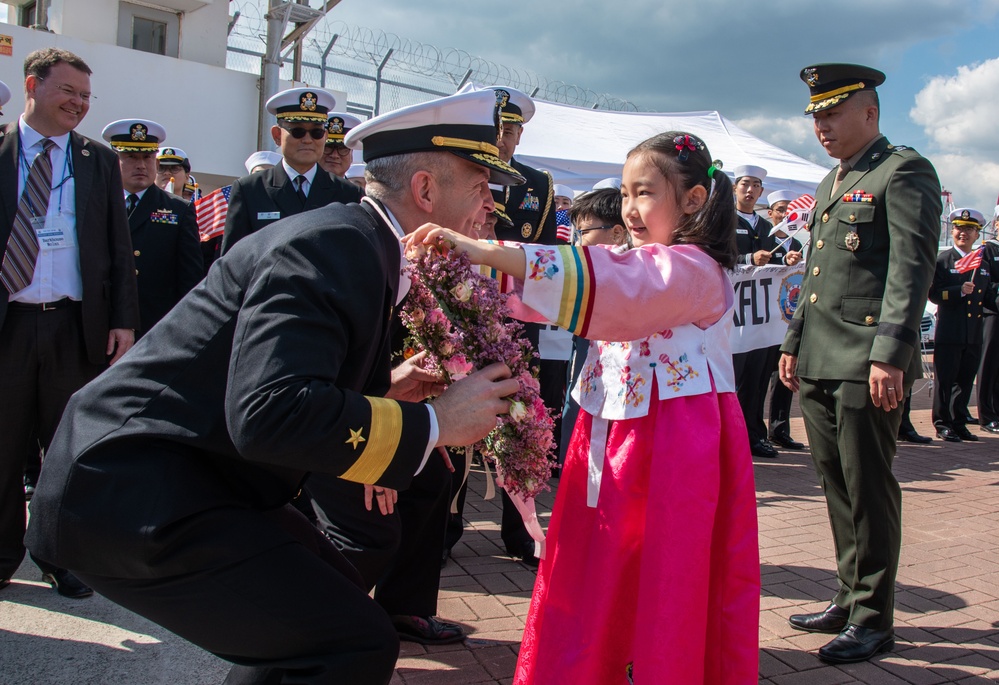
point(955, 368)
point(988, 372)
point(780, 407)
point(752, 376)
point(42, 363)
point(296, 613)
point(399, 555)
point(853, 447)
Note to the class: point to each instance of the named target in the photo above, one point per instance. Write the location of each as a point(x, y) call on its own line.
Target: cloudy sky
point(743, 59)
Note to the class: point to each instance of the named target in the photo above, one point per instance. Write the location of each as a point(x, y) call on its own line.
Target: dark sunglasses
point(584, 231)
point(300, 132)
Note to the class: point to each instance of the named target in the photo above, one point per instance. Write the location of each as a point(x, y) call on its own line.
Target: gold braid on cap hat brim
point(465, 144)
point(133, 146)
point(965, 222)
point(832, 97)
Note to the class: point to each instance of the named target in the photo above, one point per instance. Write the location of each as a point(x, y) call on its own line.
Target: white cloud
point(794, 134)
point(958, 115)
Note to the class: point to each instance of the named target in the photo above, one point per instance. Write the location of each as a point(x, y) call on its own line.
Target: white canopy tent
point(582, 146)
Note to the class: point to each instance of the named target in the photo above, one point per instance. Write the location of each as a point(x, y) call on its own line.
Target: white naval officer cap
point(781, 196)
point(563, 191)
point(171, 155)
point(261, 157)
point(750, 170)
point(339, 126)
point(965, 216)
point(464, 124)
point(516, 106)
point(134, 135)
point(612, 182)
point(301, 104)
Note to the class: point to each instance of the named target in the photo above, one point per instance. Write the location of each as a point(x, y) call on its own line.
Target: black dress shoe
point(66, 584)
point(991, 427)
point(525, 554)
point(762, 448)
point(29, 491)
point(948, 434)
point(913, 436)
point(857, 643)
point(831, 620)
point(4, 582)
point(445, 556)
point(427, 630)
point(787, 441)
point(965, 434)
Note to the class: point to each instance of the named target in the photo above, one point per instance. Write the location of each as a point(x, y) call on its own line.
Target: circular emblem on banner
point(787, 296)
point(852, 241)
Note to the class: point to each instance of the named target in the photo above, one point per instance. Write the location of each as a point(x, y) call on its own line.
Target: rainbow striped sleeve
point(558, 284)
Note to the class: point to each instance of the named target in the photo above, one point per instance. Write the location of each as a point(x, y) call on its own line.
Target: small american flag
point(970, 261)
point(563, 227)
point(211, 212)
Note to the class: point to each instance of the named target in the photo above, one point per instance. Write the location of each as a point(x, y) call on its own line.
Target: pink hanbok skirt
point(663, 574)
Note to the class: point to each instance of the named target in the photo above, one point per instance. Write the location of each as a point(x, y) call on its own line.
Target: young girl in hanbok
point(651, 574)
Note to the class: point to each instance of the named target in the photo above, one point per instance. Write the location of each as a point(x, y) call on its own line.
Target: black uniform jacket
point(531, 207)
point(167, 251)
point(959, 317)
point(273, 366)
point(267, 196)
point(749, 240)
point(106, 264)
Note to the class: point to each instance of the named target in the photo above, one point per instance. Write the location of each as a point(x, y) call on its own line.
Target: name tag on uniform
point(53, 234)
point(742, 231)
point(954, 271)
point(268, 216)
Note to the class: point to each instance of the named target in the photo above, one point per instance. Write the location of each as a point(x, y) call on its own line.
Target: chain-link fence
point(382, 72)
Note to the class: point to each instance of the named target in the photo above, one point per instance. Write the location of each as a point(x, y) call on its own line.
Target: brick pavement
point(947, 614)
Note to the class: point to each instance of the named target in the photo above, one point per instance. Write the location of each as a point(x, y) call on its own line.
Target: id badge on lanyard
point(54, 232)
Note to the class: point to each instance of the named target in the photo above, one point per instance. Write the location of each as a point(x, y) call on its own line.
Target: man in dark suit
point(69, 300)
point(164, 229)
point(753, 368)
point(853, 345)
point(988, 372)
point(961, 296)
point(296, 184)
point(787, 251)
point(168, 483)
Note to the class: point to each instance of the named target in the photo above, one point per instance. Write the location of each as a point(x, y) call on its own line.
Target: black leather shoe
point(948, 434)
point(525, 554)
point(29, 491)
point(831, 620)
point(427, 630)
point(4, 582)
point(66, 584)
point(913, 436)
point(991, 427)
point(445, 556)
point(762, 448)
point(787, 441)
point(965, 434)
point(857, 643)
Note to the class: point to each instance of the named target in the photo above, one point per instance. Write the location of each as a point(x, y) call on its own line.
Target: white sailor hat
point(563, 191)
point(339, 125)
point(965, 216)
point(301, 104)
point(261, 157)
point(750, 170)
point(612, 182)
point(781, 196)
point(355, 171)
point(4, 95)
point(134, 135)
point(464, 124)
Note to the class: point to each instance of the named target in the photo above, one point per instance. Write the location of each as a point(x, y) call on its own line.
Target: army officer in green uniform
point(874, 240)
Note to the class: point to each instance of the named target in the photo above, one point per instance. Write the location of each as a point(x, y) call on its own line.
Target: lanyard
point(25, 168)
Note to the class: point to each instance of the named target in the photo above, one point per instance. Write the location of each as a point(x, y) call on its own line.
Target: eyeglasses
point(584, 231)
point(337, 149)
point(299, 132)
point(69, 92)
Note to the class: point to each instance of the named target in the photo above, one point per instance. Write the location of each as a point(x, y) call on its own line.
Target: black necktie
point(300, 184)
point(130, 203)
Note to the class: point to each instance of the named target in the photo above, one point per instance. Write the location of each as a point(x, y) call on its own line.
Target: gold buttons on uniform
point(853, 217)
point(819, 244)
point(825, 217)
point(814, 298)
point(815, 271)
point(137, 253)
point(869, 320)
point(136, 272)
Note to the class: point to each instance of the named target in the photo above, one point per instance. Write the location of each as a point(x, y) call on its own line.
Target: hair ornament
point(685, 144)
point(711, 171)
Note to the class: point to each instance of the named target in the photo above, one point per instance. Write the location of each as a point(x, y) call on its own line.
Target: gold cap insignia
point(138, 132)
point(811, 76)
point(966, 215)
point(168, 151)
point(308, 102)
point(502, 98)
point(336, 125)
